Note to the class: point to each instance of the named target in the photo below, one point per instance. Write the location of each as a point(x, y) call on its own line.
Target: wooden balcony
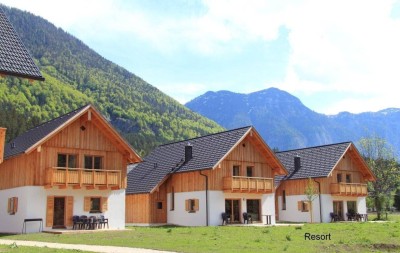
point(349, 189)
point(248, 184)
point(79, 178)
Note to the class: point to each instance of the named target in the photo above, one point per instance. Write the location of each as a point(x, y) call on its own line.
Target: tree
point(311, 193)
point(381, 160)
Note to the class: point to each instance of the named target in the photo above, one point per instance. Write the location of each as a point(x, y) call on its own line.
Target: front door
point(253, 209)
point(59, 212)
point(338, 209)
point(232, 209)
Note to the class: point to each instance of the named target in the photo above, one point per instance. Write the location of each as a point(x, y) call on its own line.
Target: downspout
point(206, 195)
point(319, 198)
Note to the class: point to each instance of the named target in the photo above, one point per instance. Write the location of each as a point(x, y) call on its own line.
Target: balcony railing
point(76, 177)
point(349, 189)
point(248, 184)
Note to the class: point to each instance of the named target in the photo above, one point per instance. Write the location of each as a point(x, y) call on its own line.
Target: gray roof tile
point(15, 59)
point(165, 159)
point(315, 161)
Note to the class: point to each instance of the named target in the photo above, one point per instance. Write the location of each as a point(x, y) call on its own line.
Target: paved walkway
point(94, 248)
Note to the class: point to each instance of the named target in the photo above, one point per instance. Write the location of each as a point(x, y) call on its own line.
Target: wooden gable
point(94, 132)
point(352, 163)
point(252, 148)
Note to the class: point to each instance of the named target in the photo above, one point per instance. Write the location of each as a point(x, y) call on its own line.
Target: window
point(67, 161)
point(249, 171)
point(348, 178)
point(283, 200)
point(12, 206)
point(172, 199)
point(95, 204)
point(303, 206)
point(93, 162)
point(159, 205)
point(339, 177)
point(236, 171)
point(192, 205)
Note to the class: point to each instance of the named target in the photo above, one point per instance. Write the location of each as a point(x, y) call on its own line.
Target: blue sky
point(334, 55)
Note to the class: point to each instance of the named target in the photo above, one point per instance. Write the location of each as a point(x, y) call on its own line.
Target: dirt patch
point(385, 246)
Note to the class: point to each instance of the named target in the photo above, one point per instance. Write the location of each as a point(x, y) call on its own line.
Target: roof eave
point(16, 74)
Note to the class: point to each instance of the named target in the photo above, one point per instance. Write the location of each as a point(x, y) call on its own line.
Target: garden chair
point(247, 218)
point(103, 221)
point(76, 222)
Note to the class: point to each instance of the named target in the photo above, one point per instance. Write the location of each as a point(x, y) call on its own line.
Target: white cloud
point(335, 46)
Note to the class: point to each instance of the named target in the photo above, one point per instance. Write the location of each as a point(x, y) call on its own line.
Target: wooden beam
point(77, 187)
point(115, 188)
point(103, 187)
point(47, 186)
point(90, 187)
point(62, 187)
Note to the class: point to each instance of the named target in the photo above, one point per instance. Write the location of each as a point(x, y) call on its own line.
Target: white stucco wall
point(294, 215)
point(179, 216)
point(216, 207)
point(32, 201)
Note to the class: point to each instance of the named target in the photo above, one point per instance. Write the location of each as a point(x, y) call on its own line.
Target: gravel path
point(94, 248)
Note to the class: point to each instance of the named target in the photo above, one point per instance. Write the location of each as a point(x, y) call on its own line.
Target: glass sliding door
point(232, 209)
point(253, 209)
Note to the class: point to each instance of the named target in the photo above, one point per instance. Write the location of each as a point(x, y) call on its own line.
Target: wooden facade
point(147, 208)
point(87, 135)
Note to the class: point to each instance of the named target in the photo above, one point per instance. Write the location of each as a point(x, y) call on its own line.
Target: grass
point(390, 216)
point(345, 237)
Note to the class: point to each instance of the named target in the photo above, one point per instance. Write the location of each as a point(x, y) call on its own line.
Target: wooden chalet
point(193, 182)
point(338, 172)
point(72, 165)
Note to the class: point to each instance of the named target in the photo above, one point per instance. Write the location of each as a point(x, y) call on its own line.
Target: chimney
point(2, 142)
point(188, 152)
point(297, 163)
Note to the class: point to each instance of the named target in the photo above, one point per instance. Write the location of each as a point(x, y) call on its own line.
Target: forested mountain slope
point(76, 75)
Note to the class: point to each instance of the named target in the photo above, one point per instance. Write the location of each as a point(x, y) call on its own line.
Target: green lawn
point(345, 237)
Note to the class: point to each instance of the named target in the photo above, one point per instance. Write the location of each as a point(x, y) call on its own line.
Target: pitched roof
point(207, 150)
point(37, 135)
point(318, 161)
point(15, 59)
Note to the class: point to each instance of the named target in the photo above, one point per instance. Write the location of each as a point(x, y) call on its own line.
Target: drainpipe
point(319, 198)
point(206, 196)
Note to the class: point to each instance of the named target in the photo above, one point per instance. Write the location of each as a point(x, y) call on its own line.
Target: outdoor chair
point(334, 217)
point(103, 221)
point(76, 222)
point(85, 222)
point(93, 222)
point(225, 218)
point(350, 216)
point(247, 218)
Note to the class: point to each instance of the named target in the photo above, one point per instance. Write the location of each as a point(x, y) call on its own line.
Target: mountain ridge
point(286, 123)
